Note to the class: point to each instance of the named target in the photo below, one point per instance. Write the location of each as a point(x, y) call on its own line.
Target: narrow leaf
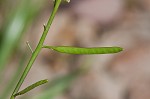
point(41, 82)
point(80, 50)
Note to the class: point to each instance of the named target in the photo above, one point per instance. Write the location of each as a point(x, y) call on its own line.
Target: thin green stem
point(37, 50)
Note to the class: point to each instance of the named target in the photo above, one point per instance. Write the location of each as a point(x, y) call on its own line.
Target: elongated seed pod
point(80, 50)
point(41, 82)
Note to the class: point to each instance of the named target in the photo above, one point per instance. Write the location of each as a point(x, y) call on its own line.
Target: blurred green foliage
point(17, 15)
point(12, 82)
point(15, 25)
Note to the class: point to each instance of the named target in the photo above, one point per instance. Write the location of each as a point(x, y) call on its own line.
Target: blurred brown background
point(90, 23)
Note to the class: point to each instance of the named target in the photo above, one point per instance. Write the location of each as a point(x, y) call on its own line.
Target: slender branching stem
point(37, 50)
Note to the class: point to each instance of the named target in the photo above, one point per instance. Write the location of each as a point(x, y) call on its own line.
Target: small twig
point(28, 44)
point(44, 27)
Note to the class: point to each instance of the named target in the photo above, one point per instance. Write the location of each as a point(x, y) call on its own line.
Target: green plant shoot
point(61, 49)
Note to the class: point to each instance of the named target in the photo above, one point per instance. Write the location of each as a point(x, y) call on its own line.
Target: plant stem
point(38, 49)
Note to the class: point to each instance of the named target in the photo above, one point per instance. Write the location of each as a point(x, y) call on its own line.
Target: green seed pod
point(41, 82)
point(79, 50)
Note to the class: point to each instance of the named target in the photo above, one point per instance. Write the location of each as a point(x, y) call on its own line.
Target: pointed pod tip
point(116, 49)
point(120, 49)
point(46, 80)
